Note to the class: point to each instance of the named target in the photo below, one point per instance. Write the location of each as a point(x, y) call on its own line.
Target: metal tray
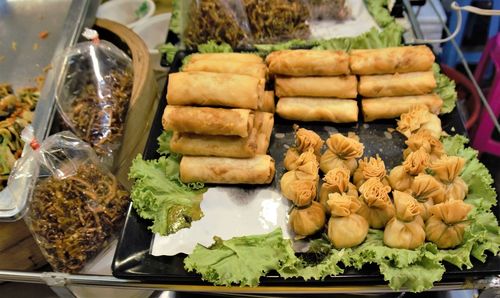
point(132, 259)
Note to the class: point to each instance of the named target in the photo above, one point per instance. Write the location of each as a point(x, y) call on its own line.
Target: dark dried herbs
point(216, 20)
point(74, 218)
point(277, 20)
point(99, 118)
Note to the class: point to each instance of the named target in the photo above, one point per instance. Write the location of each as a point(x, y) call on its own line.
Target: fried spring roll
point(256, 70)
point(208, 121)
point(227, 146)
point(339, 86)
point(234, 57)
point(391, 60)
point(393, 107)
point(214, 89)
point(267, 104)
point(265, 123)
point(224, 146)
point(318, 109)
point(412, 83)
point(301, 63)
point(257, 170)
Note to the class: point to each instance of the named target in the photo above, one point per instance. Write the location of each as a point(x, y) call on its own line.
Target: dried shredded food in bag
point(277, 20)
point(74, 218)
point(216, 20)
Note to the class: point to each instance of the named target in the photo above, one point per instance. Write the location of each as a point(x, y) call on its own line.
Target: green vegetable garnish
point(445, 89)
point(159, 194)
point(169, 50)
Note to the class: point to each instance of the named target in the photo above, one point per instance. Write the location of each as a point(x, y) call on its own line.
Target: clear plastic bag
point(93, 94)
point(77, 206)
point(329, 9)
point(215, 20)
point(273, 21)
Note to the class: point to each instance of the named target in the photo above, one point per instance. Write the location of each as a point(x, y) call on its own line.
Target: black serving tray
point(132, 259)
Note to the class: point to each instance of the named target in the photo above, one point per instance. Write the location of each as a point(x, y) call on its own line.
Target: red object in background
point(483, 139)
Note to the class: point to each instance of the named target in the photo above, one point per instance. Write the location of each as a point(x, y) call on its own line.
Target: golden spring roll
point(339, 86)
point(224, 146)
point(318, 109)
point(265, 122)
point(256, 70)
point(257, 170)
point(400, 84)
point(301, 63)
point(393, 107)
point(391, 60)
point(214, 89)
point(268, 104)
point(208, 121)
point(234, 57)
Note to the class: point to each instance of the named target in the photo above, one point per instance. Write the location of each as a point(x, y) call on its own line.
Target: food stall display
point(342, 160)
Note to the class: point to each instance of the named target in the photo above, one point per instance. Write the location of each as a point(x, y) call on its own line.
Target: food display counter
point(130, 263)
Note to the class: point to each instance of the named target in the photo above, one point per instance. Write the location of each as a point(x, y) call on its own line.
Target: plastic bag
point(329, 9)
point(76, 206)
point(93, 93)
point(273, 21)
point(215, 20)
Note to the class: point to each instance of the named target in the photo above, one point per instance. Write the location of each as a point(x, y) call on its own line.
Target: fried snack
point(446, 226)
point(391, 60)
point(214, 89)
point(338, 86)
point(342, 153)
point(393, 107)
point(318, 109)
point(419, 118)
point(222, 170)
point(373, 167)
point(447, 170)
point(376, 206)
point(427, 191)
point(208, 121)
point(406, 229)
point(267, 104)
point(424, 139)
point(302, 63)
point(345, 227)
point(256, 70)
point(399, 84)
point(336, 181)
point(401, 177)
point(307, 221)
point(233, 57)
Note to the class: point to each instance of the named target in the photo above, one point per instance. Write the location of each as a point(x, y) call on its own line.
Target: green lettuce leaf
point(169, 50)
point(445, 89)
point(380, 13)
point(214, 47)
point(240, 260)
point(175, 19)
point(159, 194)
point(391, 36)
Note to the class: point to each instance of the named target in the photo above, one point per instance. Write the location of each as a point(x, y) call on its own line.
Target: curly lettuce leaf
point(391, 36)
point(169, 50)
point(380, 13)
point(175, 19)
point(214, 47)
point(240, 260)
point(445, 89)
point(159, 194)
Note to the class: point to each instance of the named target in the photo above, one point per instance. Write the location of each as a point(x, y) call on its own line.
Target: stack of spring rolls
point(314, 85)
point(221, 119)
point(394, 79)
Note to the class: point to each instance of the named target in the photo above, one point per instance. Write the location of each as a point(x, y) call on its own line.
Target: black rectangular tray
point(132, 259)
